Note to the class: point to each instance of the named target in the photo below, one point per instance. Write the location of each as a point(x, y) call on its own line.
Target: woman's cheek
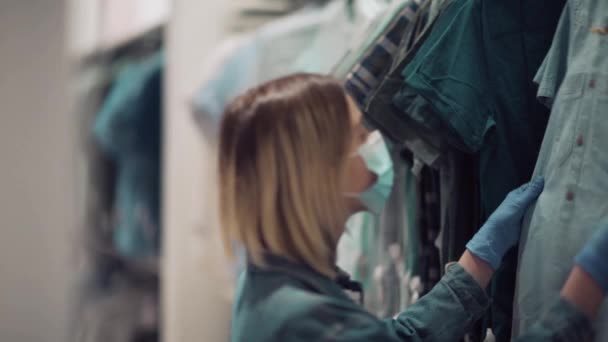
point(359, 177)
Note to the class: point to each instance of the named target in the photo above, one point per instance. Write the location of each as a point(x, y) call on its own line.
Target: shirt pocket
point(566, 110)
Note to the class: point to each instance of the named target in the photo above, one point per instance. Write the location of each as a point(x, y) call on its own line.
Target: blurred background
point(106, 179)
point(108, 127)
point(108, 130)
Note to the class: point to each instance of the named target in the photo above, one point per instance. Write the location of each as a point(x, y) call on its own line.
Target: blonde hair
point(283, 147)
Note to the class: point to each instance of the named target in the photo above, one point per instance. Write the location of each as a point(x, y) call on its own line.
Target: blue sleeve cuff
point(595, 266)
point(472, 297)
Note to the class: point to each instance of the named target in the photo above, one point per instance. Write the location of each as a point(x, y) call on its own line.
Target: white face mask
point(376, 156)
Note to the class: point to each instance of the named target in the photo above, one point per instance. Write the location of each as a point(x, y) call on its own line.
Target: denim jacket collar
point(312, 279)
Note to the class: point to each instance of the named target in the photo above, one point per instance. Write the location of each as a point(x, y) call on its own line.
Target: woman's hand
point(502, 230)
point(588, 282)
point(594, 256)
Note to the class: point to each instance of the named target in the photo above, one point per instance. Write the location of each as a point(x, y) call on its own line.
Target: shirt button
point(580, 140)
point(570, 196)
point(599, 30)
point(592, 84)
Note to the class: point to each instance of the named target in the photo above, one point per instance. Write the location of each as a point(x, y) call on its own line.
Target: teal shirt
point(475, 72)
point(128, 128)
point(289, 302)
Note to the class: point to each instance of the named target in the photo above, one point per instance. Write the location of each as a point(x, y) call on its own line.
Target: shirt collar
point(316, 281)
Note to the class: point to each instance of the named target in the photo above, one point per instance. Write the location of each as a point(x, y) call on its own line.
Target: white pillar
point(37, 172)
point(195, 285)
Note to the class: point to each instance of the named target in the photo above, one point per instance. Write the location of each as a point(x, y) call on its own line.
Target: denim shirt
point(284, 301)
point(573, 81)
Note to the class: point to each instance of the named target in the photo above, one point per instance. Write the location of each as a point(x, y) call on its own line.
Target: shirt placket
point(575, 166)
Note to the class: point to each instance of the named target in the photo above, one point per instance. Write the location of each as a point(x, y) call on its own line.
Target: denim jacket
point(289, 302)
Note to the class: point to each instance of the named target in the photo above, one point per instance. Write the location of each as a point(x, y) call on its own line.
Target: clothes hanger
point(370, 7)
point(277, 8)
point(256, 13)
point(142, 45)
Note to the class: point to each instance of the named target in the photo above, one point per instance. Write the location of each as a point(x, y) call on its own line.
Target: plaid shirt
point(368, 73)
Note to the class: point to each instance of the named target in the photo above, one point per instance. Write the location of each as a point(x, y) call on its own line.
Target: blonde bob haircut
point(283, 147)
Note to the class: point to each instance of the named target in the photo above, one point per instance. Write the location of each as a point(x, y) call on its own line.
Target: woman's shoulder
point(268, 307)
point(276, 296)
point(265, 303)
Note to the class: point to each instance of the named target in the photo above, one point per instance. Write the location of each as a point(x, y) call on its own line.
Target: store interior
point(111, 112)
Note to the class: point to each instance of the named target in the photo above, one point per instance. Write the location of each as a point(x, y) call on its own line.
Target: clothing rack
point(254, 13)
point(277, 8)
point(115, 283)
point(149, 40)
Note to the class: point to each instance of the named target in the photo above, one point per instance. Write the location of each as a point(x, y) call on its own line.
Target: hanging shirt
point(376, 79)
point(128, 128)
point(376, 248)
point(366, 37)
point(573, 159)
point(343, 25)
point(362, 82)
point(311, 40)
point(350, 250)
point(228, 71)
point(468, 83)
point(242, 62)
point(367, 74)
point(385, 252)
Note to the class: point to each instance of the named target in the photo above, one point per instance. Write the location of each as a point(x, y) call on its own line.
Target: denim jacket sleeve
point(450, 309)
point(444, 314)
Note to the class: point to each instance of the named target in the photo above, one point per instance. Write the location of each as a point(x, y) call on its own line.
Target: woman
point(295, 162)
